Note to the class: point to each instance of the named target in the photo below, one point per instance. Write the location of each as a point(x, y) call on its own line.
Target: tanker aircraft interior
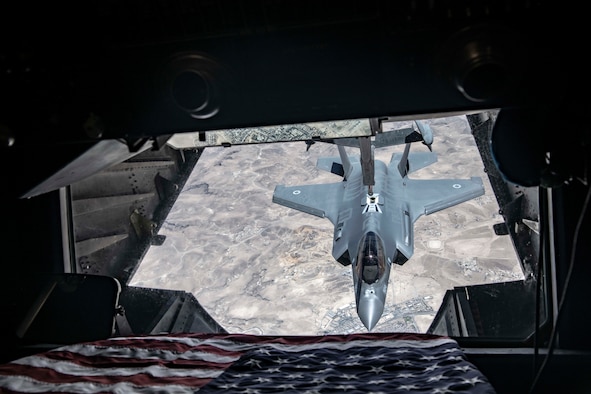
point(88, 113)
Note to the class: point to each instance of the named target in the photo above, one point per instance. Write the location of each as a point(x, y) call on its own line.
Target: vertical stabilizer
point(346, 162)
point(403, 164)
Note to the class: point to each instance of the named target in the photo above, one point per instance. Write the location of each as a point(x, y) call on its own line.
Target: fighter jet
point(374, 208)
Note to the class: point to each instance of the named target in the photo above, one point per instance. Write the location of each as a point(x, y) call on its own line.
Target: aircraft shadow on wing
point(374, 208)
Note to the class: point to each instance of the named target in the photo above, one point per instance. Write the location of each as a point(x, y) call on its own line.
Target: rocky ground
point(262, 268)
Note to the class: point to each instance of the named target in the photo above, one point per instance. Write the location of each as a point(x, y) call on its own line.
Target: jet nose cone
point(370, 308)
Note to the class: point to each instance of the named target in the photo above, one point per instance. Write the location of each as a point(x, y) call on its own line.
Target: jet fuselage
point(369, 249)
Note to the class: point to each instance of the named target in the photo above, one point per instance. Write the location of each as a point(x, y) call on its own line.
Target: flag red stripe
point(48, 375)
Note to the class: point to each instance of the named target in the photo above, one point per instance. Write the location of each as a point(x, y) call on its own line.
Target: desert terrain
point(261, 268)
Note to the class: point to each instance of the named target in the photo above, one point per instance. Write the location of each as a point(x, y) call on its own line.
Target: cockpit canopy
point(371, 258)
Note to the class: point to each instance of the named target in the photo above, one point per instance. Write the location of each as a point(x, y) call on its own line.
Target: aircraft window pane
point(371, 256)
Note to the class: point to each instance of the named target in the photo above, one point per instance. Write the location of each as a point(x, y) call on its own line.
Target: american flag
point(237, 363)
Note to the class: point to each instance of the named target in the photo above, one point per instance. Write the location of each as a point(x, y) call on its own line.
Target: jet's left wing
point(319, 200)
point(428, 196)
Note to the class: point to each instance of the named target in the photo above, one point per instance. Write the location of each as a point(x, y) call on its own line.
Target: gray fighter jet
point(374, 208)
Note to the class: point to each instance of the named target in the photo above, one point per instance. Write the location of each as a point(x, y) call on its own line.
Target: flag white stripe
point(146, 354)
point(157, 371)
point(28, 385)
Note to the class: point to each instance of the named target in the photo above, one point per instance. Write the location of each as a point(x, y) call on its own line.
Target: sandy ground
point(258, 267)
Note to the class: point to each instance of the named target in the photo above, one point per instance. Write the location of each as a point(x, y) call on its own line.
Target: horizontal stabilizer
point(331, 164)
point(416, 161)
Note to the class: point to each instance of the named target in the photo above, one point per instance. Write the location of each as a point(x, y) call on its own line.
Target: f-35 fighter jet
point(374, 208)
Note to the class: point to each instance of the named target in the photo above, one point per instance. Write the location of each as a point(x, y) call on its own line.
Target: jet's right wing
point(320, 200)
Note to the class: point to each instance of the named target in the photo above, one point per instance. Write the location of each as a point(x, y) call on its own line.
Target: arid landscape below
point(261, 268)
